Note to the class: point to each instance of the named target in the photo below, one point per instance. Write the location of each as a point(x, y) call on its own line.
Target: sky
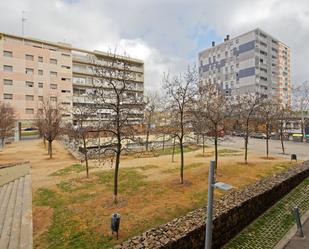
point(166, 34)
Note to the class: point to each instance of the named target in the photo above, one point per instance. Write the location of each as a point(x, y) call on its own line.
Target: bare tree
point(7, 121)
point(179, 92)
point(120, 102)
point(246, 107)
point(268, 113)
point(200, 128)
point(284, 114)
point(82, 129)
point(213, 109)
point(151, 101)
point(50, 122)
point(301, 104)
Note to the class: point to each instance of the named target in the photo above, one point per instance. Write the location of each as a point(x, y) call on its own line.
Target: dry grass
point(71, 211)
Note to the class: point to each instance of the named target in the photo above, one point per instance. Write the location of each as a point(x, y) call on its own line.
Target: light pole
point(211, 185)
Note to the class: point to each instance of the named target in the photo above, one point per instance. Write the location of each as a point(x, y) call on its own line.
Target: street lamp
point(211, 185)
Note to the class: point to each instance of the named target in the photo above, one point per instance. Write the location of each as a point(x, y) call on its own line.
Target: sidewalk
point(298, 242)
point(267, 230)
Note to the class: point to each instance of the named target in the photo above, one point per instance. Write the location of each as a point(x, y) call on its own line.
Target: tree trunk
point(86, 158)
point(182, 160)
point(281, 138)
point(163, 141)
point(267, 145)
point(246, 142)
point(44, 141)
point(2, 142)
point(50, 149)
point(116, 176)
point(173, 149)
point(203, 144)
point(216, 152)
point(147, 140)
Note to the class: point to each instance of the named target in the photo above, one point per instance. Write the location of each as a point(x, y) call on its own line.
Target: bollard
point(296, 213)
point(115, 223)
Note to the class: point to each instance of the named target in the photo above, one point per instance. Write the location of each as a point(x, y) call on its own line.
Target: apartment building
point(251, 62)
point(33, 70)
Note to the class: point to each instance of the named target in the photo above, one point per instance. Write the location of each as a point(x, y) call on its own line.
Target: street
point(259, 147)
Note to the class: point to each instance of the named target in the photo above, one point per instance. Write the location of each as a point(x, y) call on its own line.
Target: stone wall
point(232, 212)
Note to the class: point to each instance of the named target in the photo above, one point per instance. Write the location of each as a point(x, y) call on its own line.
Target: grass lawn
point(29, 133)
point(76, 212)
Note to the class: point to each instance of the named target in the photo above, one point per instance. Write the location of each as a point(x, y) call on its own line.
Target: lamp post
point(211, 185)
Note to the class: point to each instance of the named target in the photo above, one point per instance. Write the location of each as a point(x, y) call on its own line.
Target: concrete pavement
point(259, 147)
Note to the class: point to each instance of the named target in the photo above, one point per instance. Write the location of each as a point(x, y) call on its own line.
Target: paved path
point(299, 242)
point(258, 146)
point(267, 230)
point(16, 211)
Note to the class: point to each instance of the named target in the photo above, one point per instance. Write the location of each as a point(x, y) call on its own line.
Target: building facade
point(32, 71)
point(251, 62)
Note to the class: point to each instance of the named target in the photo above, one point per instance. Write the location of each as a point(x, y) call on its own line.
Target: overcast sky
point(166, 34)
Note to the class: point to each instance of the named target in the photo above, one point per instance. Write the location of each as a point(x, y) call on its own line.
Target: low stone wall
point(232, 212)
point(7, 165)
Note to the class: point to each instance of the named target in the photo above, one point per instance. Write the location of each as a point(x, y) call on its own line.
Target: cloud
point(166, 34)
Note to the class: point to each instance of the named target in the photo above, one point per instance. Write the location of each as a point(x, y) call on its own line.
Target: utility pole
point(211, 182)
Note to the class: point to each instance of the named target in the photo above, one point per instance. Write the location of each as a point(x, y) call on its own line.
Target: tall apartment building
point(251, 62)
point(32, 70)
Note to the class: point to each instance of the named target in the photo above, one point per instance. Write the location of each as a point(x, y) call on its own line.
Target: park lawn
point(75, 213)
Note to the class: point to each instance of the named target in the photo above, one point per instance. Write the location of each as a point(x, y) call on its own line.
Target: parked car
point(238, 133)
point(259, 135)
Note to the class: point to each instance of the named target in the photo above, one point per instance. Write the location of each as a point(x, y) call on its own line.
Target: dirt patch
point(42, 219)
point(268, 158)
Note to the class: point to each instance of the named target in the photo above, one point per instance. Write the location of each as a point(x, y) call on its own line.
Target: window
point(65, 91)
point(40, 59)
point(7, 54)
point(29, 70)
point(53, 61)
point(7, 68)
point(66, 67)
point(29, 57)
point(30, 97)
point(65, 103)
point(263, 52)
point(53, 86)
point(7, 82)
point(65, 79)
point(79, 80)
point(29, 111)
point(40, 98)
point(53, 99)
point(8, 96)
point(53, 74)
point(65, 55)
point(40, 85)
point(40, 72)
point(29, 84)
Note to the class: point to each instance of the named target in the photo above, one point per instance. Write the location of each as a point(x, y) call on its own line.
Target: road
point(259, 147)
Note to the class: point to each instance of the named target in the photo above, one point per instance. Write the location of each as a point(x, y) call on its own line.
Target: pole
point(298, 222)
point(99, 139)
point(211, 182)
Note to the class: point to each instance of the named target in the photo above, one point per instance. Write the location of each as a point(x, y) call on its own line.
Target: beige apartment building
point(32, 70)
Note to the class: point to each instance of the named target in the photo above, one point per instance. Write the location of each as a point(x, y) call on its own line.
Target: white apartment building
point(251, 62)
